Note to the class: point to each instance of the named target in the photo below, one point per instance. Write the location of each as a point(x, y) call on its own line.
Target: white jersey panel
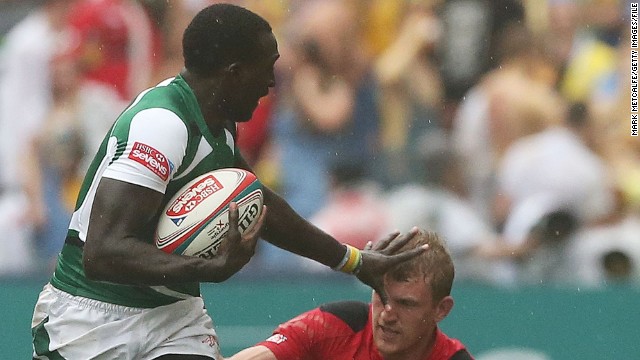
point(149, 160)
point(204, 149)
point(80, 217)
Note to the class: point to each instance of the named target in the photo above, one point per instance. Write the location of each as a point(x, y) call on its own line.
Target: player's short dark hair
point(219, 35)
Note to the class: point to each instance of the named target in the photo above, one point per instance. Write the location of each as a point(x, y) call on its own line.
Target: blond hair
point(435, 265)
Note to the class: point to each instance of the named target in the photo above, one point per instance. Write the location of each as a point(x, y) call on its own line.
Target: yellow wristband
point(344, 260)
point(351, 262)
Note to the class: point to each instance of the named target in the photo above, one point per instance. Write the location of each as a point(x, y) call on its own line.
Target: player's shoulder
point(462, 354)
point(353, 313)
point(171, 94)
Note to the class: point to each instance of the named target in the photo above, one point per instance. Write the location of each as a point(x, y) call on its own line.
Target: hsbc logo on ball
point(152, 159)
point(193, 196)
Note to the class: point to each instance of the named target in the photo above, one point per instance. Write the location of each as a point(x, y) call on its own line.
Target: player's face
point(254, 79)
point(407, 330)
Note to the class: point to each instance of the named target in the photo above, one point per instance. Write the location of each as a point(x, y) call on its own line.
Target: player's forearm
point(254, 353)
point(288, 230)
point(134, 262)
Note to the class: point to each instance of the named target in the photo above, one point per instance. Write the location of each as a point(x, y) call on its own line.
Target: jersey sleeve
point(149, 150)
point(293, 340)
point(311, 335)
point(322, 333)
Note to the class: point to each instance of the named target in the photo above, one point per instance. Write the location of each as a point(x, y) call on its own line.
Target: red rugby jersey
point(341, 331)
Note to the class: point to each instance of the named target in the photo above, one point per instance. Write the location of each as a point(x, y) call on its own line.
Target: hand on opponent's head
point(379, 258)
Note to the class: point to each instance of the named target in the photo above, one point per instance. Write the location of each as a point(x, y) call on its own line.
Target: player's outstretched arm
point(288, 230)
point(119, 248)
point(254, 353)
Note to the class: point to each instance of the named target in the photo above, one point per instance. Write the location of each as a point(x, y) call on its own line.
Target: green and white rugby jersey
point(161, 142)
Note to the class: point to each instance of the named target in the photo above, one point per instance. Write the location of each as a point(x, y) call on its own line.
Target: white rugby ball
point(196, 220)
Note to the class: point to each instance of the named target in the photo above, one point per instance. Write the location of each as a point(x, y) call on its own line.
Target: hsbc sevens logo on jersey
point(193, 196)
point(152, 159)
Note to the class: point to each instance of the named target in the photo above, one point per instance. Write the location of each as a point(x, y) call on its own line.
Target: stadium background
point(556, 321)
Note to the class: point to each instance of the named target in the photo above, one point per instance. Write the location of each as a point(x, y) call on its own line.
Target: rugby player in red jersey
point(419, 297)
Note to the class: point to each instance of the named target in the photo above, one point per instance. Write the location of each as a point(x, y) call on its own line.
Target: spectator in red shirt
point(407, 328)
point(119, 44)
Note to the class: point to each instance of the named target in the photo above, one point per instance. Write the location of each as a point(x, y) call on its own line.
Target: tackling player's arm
point(257, 352)
point(118, 247)
point(314, 334)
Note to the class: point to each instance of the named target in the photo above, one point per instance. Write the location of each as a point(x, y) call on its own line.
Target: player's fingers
point(255, 230)
point(379, 289)
point(368, 246)
point(396, 259)
point(398, 242)
point(233, 234)
point(382, 244)
point(233, 219)
point(250, 238)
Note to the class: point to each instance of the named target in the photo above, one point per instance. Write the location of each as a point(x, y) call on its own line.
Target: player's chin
point(386, 349)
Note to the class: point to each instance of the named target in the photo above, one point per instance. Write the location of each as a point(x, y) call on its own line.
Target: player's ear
point(444, 308)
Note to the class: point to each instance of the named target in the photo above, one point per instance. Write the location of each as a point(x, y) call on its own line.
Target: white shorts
point(72, 327)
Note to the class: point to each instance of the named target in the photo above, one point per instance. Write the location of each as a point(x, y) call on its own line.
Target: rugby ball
point(196, 220)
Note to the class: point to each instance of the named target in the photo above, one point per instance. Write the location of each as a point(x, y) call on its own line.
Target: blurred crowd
point(501, 124)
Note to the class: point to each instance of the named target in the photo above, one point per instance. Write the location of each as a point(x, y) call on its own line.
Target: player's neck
point(207, 95)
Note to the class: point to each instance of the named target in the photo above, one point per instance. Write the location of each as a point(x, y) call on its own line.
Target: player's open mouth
point(387, 331)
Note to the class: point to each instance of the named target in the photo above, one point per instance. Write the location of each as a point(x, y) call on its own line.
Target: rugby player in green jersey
point(113, 294)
